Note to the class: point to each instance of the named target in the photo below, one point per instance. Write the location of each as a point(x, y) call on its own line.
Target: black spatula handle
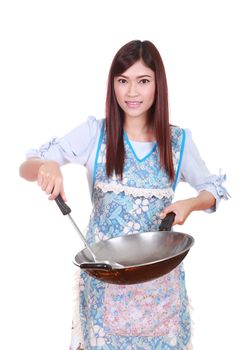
point(62, 205)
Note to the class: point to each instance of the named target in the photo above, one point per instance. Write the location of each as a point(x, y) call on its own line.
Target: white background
point(55, 57)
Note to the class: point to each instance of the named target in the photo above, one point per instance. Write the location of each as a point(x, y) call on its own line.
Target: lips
point(133, 104)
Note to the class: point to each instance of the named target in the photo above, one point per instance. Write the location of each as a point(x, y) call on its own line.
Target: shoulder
point(82, 139)
point(176, 130)
point(87, 130)
point(91, 124)
point(178, 134)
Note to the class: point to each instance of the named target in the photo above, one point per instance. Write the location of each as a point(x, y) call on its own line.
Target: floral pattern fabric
point(150, 315)
point(138, 305)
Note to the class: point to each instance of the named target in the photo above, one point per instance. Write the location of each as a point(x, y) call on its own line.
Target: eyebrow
point(138, 77)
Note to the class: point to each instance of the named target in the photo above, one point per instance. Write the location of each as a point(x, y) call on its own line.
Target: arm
point(43, 164)
point(183, 208)
point(195, 172)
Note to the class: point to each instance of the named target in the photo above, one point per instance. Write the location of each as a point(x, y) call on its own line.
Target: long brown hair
point(159, 113)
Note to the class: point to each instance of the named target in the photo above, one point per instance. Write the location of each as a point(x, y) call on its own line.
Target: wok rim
point(186, 250)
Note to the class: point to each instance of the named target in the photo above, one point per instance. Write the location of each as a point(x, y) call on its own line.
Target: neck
point(138, 130)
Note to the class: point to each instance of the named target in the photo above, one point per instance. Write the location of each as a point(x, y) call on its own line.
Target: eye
point(144, 81)
point(122, 81)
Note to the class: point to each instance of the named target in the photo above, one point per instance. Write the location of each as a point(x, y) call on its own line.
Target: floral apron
point(150, 315)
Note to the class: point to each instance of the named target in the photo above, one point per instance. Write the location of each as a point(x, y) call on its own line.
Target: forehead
point(138, 69)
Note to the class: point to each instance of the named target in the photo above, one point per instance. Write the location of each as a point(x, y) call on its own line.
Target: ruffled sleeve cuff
point(213, 184)
point(56, 149)
point(75, 147)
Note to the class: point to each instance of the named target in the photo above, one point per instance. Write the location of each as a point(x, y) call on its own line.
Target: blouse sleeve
point(74, 147)
point(195, 172)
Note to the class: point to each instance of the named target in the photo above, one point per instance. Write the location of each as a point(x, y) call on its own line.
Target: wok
point(141, 257)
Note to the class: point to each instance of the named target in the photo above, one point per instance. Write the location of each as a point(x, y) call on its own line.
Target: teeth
point(133, 103)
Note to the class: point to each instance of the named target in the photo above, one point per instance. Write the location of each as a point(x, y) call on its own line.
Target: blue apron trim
point(132, 149)
point(180, 159)
point(97, 155)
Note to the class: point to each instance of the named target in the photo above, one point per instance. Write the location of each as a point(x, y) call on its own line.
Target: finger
point(44, 184)
point(166, 211)
point(55, 191)
point(62, 193)
point(44, 179)
point(49, 188)
point(179, 217)
point(58, 189)
point(178, 220)
point(41, 175)
point(39, 179)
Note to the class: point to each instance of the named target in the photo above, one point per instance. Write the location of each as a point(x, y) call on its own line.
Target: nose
point(132, 90)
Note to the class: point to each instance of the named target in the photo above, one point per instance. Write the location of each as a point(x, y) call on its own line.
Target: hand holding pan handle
point(166, 223)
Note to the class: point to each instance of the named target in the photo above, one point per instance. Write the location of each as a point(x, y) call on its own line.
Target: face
point(135, 90)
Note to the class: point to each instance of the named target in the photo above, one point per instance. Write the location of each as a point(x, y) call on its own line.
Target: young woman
point(135, 159)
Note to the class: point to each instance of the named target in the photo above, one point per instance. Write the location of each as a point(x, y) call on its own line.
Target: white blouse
point(80, 145)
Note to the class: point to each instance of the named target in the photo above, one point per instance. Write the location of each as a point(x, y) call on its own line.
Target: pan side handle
point(166, 223)
point(95, 266)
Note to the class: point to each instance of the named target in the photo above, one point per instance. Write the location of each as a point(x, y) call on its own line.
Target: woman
point(135, 159)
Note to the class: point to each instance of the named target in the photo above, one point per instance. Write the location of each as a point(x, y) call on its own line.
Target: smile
point(133, 104)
